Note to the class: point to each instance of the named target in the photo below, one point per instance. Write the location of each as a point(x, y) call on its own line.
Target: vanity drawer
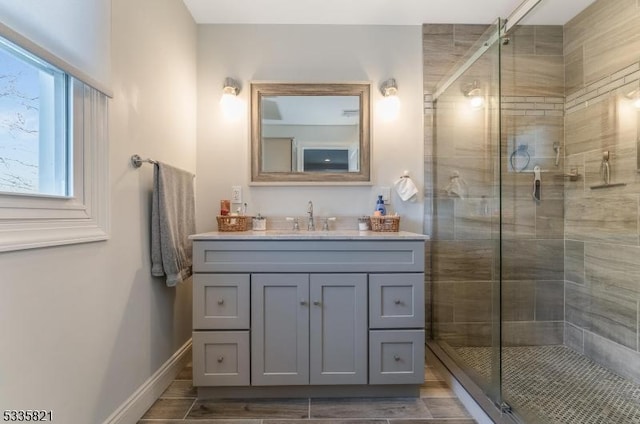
point(221, 301)
point(396, 357)
point(396, 300)
point(221, 358)
point(308, 256)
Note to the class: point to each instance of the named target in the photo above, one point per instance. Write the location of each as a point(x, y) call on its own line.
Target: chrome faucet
point(310, 226)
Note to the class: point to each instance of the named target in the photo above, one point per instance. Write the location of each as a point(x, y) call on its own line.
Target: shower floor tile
point(556, 385)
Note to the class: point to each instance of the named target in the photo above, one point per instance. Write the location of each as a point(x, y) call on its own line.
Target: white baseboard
point(141, 400)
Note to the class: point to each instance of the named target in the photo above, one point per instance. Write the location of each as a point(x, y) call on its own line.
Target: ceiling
point(376, 12)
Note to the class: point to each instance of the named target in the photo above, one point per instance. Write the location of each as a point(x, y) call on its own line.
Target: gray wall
point(602, 262)
point(84, 326)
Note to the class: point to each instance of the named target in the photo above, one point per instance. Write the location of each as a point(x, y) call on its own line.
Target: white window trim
point(28, 222)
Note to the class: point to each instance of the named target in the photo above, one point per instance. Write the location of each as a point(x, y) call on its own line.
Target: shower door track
point(512, 20)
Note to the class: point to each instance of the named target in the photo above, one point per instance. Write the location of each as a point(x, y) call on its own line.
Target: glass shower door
point(466, 234)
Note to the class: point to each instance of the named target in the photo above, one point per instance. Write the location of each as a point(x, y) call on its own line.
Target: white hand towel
point(406, 189)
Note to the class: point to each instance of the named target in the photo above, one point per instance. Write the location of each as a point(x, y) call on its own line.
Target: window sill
point(60, 235)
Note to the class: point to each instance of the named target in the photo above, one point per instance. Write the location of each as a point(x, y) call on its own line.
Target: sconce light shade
point(389, 106)
point(474, 93)
point(230, 103)
point(231, 87)
point(634, 96)
point(389, 88)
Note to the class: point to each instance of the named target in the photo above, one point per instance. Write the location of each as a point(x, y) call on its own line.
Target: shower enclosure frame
point(489, 398)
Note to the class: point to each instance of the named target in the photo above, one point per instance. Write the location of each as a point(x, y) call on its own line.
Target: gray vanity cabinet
point(308, 329)
point(304, 314)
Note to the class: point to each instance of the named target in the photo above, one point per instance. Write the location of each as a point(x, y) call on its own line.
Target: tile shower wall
point(461, 250)
point(602, 245)
point(464, 244)
point(532, 72)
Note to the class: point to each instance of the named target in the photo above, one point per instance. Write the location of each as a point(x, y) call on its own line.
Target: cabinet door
point(279, 329)
point(396, 300)
point(221, 301)
point(338, 328)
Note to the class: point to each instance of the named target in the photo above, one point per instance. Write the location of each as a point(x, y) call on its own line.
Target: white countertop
point(308, 235)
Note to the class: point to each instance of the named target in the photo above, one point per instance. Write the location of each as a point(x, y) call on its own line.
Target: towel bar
point(137, 161)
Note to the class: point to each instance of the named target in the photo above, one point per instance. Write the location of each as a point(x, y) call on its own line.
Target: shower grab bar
point(137, 161)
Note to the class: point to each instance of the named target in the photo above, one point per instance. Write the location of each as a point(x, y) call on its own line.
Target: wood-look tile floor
point(179, 404)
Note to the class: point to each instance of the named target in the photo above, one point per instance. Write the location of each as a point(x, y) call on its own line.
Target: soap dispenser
point(380, 205)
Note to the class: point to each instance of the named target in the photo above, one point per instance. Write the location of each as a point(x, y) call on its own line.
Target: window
point(34, 141)
point(53, 154)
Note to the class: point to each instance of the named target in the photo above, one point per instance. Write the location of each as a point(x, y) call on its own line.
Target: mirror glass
point(310, 132)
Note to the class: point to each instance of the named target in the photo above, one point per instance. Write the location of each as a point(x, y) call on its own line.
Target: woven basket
point(385, 223)
point(233, 223)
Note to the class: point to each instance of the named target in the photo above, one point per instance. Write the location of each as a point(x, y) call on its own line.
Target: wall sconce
point(389, 106)
point(230, 103)
point(474, 93)
point(634, 96)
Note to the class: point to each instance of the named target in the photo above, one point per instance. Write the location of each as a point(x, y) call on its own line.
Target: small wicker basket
point(385, 223)
point(233, 223)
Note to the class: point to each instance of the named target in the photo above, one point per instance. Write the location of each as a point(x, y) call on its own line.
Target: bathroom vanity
point(297, 313)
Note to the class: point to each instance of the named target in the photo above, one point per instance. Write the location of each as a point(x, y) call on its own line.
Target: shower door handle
point(537, 184)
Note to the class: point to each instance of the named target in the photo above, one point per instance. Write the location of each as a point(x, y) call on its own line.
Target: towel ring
point(520, 158)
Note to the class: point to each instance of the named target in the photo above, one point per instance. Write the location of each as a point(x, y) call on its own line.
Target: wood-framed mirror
point(310, 133)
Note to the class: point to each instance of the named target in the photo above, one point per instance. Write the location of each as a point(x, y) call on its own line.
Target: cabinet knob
point(396, 358)
point(397, 302)
point(220, 359)
point(303, 302)
point(317, 302)
point(220, 301)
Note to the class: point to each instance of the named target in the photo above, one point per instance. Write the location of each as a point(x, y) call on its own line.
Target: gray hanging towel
point(172, 222)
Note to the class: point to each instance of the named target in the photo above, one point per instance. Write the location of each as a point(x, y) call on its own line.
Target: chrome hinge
point(505, 408)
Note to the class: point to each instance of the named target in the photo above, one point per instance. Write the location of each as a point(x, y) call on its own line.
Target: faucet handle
point(325, 225)
point(296, 224)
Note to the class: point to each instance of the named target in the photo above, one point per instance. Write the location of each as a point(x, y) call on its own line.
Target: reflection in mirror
point(310, 132)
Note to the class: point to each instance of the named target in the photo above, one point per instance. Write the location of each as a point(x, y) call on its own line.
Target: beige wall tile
point(550, 219)
point(600, 126)
point(574, 261)
point(612, 219)
point(472, 301)
point(533, 259)
point(613, 267)
point(574, 337)
point(518, 300)
point(533, 333)
point(614, 49)
point(624, 361)
point(550, 300)
point(574, 71)
point(466, 260)
point(603, 313)
point(549, 40)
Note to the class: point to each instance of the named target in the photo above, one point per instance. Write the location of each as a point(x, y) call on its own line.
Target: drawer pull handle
point(398, 302)
point(396, 358)
point(303, 302)
point(220, 359)
point(317, 302)
point(220, 301)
